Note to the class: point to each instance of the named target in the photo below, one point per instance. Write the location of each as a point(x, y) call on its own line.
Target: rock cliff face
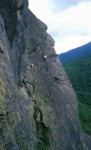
point(38, 107)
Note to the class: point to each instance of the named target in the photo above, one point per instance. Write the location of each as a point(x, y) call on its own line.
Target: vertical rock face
point(38, 107)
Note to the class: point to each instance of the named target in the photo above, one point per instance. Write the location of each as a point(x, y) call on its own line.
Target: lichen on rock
point(2, 90)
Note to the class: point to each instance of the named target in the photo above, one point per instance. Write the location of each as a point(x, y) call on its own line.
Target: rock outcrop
point(38, 107)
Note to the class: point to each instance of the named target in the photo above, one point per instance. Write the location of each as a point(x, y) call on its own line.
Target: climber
point(33, 67)
point(45, 58)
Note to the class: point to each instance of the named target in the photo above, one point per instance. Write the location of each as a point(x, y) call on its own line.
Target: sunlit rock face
point(38, 107)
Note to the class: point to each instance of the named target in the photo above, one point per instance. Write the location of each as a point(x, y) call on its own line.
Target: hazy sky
point(68, 21)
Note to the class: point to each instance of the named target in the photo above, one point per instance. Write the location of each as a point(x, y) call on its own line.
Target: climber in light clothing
point(45, 57)
point(33, 67)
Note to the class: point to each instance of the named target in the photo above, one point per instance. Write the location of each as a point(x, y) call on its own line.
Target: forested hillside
point(79, 73)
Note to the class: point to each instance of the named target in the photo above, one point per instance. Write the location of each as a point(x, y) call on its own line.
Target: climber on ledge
point(45, 58)
point(33, 67)
point(52, 55)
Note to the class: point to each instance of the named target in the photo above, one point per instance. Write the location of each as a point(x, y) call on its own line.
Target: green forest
point(79, 73)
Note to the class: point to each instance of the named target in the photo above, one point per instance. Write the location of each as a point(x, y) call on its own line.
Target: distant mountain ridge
point(75, 53)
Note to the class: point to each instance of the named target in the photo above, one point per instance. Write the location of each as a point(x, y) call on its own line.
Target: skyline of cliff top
point(68, 21)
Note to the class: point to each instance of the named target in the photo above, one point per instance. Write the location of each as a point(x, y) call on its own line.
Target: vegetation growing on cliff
point(2, 89)
point(42, 131)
